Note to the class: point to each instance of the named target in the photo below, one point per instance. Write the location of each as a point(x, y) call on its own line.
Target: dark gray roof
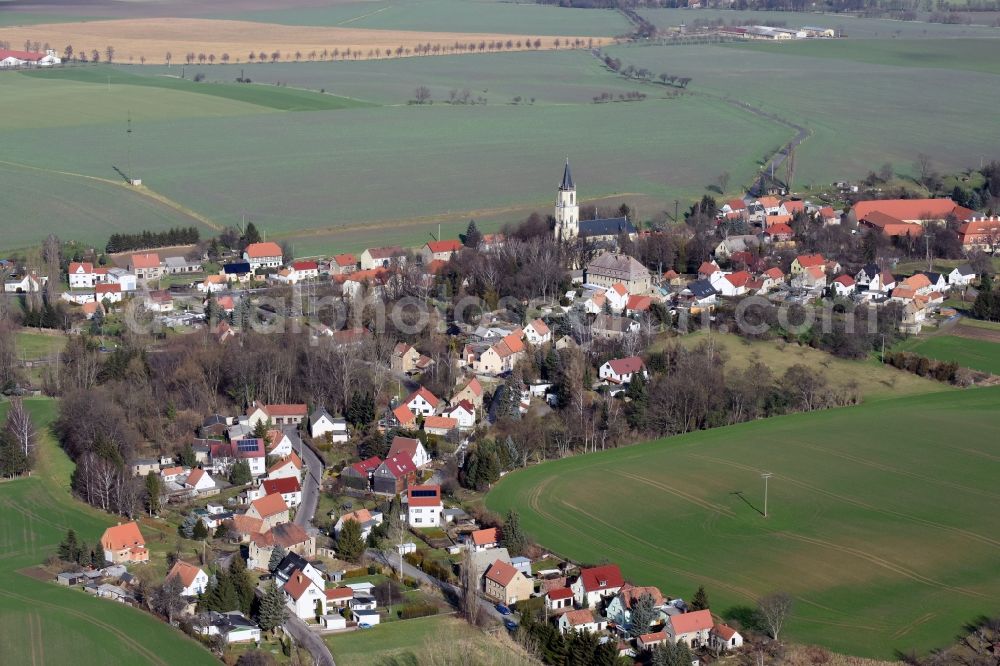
point(607, 227)
point(318, 414)
point(567, 181)
point(236, 268)
point(966, 269)
point(871, 270)
point(932, 276)
point(290, 563)
point(701, 288)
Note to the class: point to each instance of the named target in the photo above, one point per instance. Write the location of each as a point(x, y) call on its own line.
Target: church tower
point(567, 210)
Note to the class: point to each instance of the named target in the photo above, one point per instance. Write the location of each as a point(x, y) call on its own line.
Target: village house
point(108, 291)
point(439, 250)
point(619, 609)
point(422, 402)
point(471, 392)
point(613, 326)
point(382, 257)
point(393, 475)
point(321, 424)
point(366, 519)
point(464, 414)
point(233, 626)
point(698, 295)
point(251, 450)
point(119, 276)
point(81, 275)
point(193, 579)
point(278, 443)
point(291, 537)
point(611, 268)
point(646, 642)
point(263, 255)
point(27, 59)
point(843, 285)
point(484, 539)
point(596, 583)
point(621, 370)
point(159, 301)
point(733, 244)
point(496, 359)
point(423, 506)
point(731, 284)
point(199, 481)
point(537, 332)
point(981, 233)
point(145, 266)
point(439, 425)
point(559, 599)
point(287, 487)
point(724, 638)
point(412, 448)
point(359, 475)
point(291, 466)
point(900, 212)
point(173, 473)
point(270, 509)
point(709, 271)
point(124, 544)
point(961, 276)
point(506, 585)
point(343, 264)
point(292, 414)
point(617, 297)
point(580, 621)
point(804, 261)
point(304, 597)
point(690, 628)
point(180, 265)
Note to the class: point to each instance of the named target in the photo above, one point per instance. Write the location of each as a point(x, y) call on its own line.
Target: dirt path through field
point(150, 40)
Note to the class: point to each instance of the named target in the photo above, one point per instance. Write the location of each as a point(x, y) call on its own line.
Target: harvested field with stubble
point(149, 40)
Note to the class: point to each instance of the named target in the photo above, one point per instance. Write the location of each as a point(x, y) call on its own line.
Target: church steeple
point(567, 211)
point(567, 181)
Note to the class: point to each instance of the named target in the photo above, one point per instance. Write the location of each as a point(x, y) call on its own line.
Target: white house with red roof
point(145, 265)
point(691, 628)
point(709, 270)
point(596, 583)
point(439, 425)
point(439, 250)
point(617, 296)
point(283, 414)
point(422, 401)
point(343, 264)
point(580, 621)
point(382, 257)
point(804, 261)
point(16, 59)
point(263, 255)
point(621, 370)
point(537, 332)
point(484, 539)
point(813, 277)
point(271, 510)
point(199, 481)
point(304, 596)
point(424, 506)
point(731, 284)
point(464, 414)
point(411, 447)
point(305, 270)
point(287, 486)
point(843, 285)
point(279, 443)
point(619, 609)
point(723, 638)
point(559, 599)
point(81, 275)
point(288, 467)
point(472, 392)
point(123, 544)
point(193, 579)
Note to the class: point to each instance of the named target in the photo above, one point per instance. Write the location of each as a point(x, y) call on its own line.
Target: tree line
point(146, 239)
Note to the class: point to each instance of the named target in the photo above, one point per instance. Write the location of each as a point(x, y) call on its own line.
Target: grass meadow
point(981, 355)
point(43, 623)
point(876, 522)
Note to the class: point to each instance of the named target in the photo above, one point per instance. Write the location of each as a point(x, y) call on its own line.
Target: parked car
point(510, 624)
point(364, 625)
point(503, 610)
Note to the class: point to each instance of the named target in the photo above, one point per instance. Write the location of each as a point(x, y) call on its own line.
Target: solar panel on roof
point(423, 493)
point(247, 445)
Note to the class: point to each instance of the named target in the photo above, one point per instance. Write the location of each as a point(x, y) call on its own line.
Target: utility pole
point(765, 476)
point(677, 204)
point(128, 147)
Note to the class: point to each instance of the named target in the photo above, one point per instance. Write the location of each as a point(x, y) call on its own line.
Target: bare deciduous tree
point(774, 610)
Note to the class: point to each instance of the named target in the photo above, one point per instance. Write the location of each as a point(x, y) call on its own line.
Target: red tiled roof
point(577, 617)
point(385, 252)
point(21, 55)
point(807, 260)
point(285, 410)
point(619, 288)
point(774, 273)
point(243, 524)
point(908, 209)
point(486, 536)
point(399, 466)
point(122, 536)
point(777, 219)
point(344, 260)
point(269, 505)
point(434, 500)
point(431, 399)
point(445, 422)
point(845, 280)
point(501, 573)
point(624, 366)
point(654, 637)
point(444, 246)
point(707, 268)
point(724, 631)
point(339, 593)
point(282, 486)
point(112, 288)
point(736, 204)
point(297, 584)
point(194, 477)
point(403, 445)
point(541, 328)
point(638, 303)
point(602, 578)
point(738, 279)
point(794, 206)
point(184, 571)
point(292, 458)
point(780, 229)
point(686, 623)
point(84, 267)
point(561, 593)
point(631, 593)
point(262, 250)
point(365, 466)
point(404, 415)
point(305, 265)
point(145, 260)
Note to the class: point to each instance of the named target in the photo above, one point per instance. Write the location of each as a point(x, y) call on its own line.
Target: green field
point(874, 380)
point(38, 345)
point(975, 55)
point(43, 623)
point(876, 519)
point(406, 642)
point(969, 353)
point(852, 108)
point(304, 175)
point(447, 16)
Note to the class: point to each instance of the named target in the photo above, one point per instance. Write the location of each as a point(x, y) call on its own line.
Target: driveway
point(304, 636)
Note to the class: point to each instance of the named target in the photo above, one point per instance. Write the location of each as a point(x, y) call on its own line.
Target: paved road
point(314, 643)
point(310, 488)
point(451, 592)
